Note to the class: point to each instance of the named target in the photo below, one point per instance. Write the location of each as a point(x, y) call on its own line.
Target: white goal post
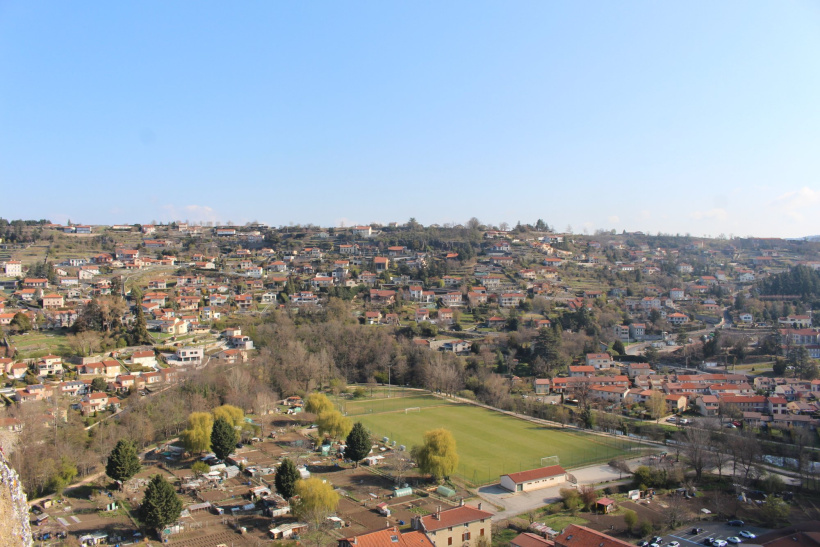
point(412, 409)
point(549, 460)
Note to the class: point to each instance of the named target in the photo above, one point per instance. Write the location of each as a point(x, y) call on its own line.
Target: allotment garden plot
point(491, 443)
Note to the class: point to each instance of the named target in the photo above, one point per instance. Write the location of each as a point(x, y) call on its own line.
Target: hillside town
point(668, 341)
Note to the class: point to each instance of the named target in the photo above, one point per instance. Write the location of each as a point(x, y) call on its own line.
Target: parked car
point(671, 419)
point(696, 531)
point(719, 543)
point(735, 522)
point(708, 541)
point(746, 534)
point(673, 544)
point(643, 543)
point(656, 539)
point(734, 539)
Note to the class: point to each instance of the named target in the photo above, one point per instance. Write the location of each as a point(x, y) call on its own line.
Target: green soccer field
point(491, 444)
point(354, 408)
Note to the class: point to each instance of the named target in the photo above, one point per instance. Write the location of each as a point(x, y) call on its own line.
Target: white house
point(534, 479)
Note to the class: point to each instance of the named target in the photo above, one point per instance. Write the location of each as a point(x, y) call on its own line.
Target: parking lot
point(715, 530)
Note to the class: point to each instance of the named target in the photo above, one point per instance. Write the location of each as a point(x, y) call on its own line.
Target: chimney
point(479, 506)
point(461, 502)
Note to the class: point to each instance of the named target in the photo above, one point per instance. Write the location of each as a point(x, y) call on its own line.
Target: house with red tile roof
point(389, 537)
point(533, 479)
point(53, 301)
point(462, 525)
point(452, 299)
point(599, 360)
point(511, 300)
point(528, 539)
point(575, 535)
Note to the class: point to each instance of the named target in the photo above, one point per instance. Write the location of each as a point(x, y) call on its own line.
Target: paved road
point(514, 504)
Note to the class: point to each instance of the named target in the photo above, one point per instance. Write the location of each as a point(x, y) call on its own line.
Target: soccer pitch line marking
point(398, 410)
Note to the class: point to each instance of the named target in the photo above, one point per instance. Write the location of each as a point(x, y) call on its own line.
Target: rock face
point(14, 519)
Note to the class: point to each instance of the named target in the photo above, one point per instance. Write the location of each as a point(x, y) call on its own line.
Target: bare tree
point(675, 512)
point(800, 440)
point(720, 453)
point(746, 455)
point(401, 465)
point(696, 449)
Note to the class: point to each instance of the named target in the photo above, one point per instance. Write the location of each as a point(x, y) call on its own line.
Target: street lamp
point(388, 380)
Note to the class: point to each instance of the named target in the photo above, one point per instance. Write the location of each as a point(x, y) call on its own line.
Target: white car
point(734, 539)
point(673, 544)
point(719, 543)
point(747, 535)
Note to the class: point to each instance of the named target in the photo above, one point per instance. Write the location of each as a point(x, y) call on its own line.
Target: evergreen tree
point(286, 478)
point(160, 506)
point(547, 346)
point(123, 462)
point(223, 438)
point(20, 322)
point(99, 384)
point(357, 443)
point(139, 333)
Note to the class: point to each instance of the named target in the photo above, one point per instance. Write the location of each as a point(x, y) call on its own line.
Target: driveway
point(511, 504)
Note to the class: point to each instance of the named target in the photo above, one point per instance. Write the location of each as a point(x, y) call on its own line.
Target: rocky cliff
point(15, 530)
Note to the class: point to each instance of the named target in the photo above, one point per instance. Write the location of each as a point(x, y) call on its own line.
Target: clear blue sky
point(699, 117)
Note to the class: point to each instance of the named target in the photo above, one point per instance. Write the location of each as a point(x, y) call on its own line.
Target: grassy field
point(38, 344)
point(490, 443)
point(380, 405)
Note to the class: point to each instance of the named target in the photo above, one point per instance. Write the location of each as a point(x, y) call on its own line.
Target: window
point(481, 532)
point(449, 541)
point(465, 536)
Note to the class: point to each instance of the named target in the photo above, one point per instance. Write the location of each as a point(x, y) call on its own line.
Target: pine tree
point(286, 478)
point(139, 333)
point(160, 506)
point(223, 438)
point(357, 443)
point(123, 462)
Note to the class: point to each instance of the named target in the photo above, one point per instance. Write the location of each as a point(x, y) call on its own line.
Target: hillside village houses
point(195, 284)
point(183, 293)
